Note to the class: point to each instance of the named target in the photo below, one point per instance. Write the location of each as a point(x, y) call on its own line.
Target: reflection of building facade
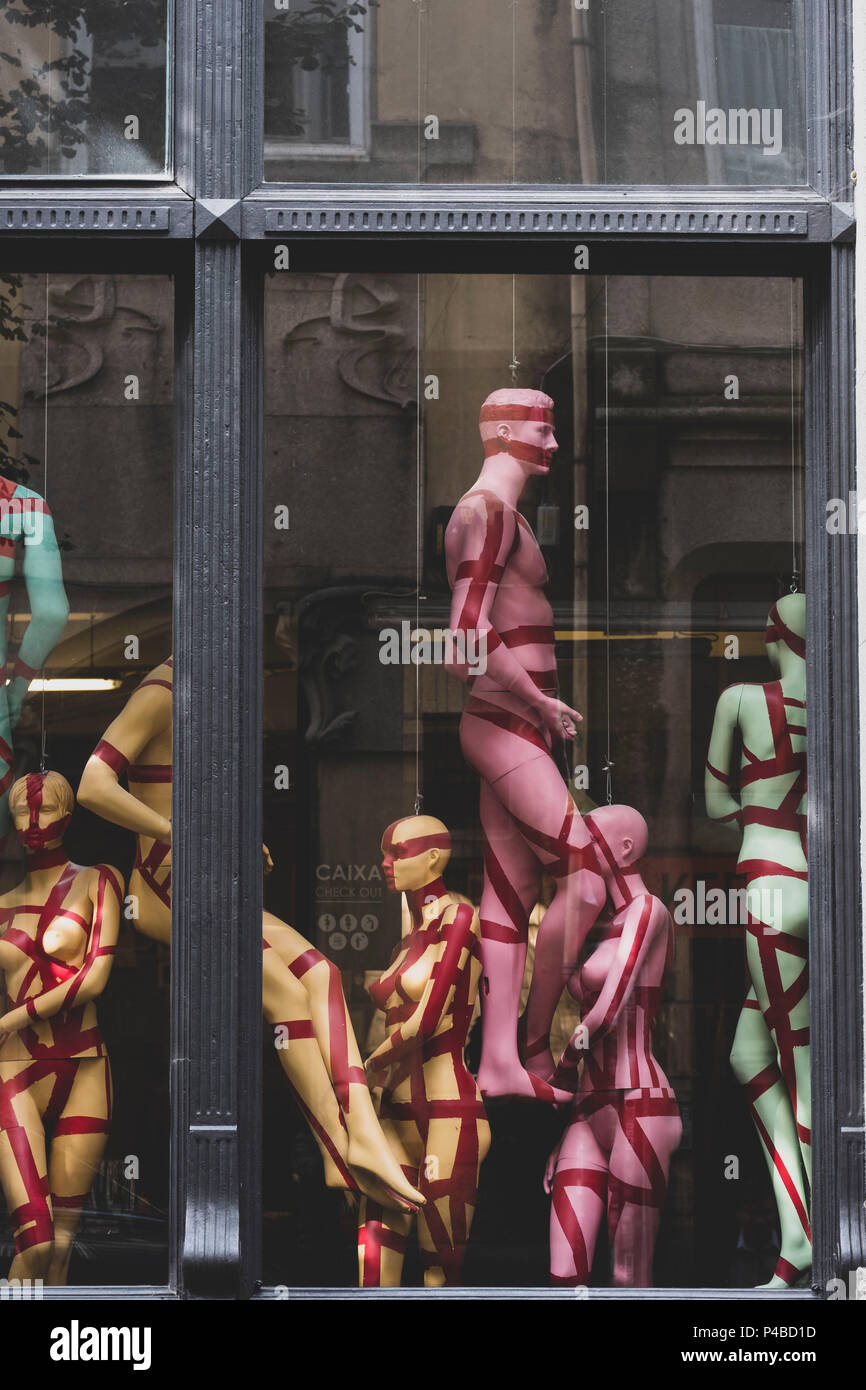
point(594, 94)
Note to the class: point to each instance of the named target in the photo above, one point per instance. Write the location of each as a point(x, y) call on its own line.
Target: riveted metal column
point(217, 811)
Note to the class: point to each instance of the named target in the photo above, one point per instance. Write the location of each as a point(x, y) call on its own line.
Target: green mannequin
point(770, 1055)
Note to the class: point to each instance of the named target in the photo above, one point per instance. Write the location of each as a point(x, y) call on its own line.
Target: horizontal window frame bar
point(370, 213)
point(281, 1293)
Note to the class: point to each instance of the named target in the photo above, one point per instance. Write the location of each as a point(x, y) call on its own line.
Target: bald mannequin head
point(786, 630)
point(520, 423)
point(415, 852)
point(624, 831)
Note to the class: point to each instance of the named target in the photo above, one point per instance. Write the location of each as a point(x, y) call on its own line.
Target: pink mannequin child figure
point(615, 1154)
point(512, 720)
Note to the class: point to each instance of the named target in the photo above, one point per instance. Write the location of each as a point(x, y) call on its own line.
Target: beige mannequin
point(302, 995)
point(431, 1107)
point(58, 930)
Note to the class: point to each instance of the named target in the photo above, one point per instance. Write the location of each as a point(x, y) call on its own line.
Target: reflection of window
point(316, 59)
point(757, 70)
point(749, 59)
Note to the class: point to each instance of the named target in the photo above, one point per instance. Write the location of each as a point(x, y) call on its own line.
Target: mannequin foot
point(384, 1195)
point(378, 1173)
point(337, 1175)
point(517, 1083)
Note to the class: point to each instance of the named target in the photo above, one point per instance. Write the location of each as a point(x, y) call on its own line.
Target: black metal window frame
point(214, 228)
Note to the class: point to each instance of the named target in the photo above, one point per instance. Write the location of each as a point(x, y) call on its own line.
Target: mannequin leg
point(578, 1202)
point(285, 1008)
point(302, 991)
point(454, 1152)
point(538, 801)
point(511, 886)
point(649, 1132)
point(382, 1234)
point(77, 1148)
point(24, 1176)
point(153, 917)
point(755, 1064)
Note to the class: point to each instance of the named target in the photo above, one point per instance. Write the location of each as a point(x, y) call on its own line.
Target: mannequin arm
point(90, 979)
point(550, 1167)
point(644, 918)
point(49, 608)
point(435, 1002)
point(146, 715)
point(721, 803)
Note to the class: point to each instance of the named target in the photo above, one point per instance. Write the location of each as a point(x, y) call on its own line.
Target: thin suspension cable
point(514, 91)
point(42, 758)
point(608, 766)
point(420, 93)
point(514, 364)
point(419, 540)
point(794, 567)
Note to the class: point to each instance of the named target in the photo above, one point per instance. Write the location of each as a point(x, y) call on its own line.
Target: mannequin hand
point(166, 834)
point(267, 861)
point(16, 689)
point(550, 1170)
point(560, 718)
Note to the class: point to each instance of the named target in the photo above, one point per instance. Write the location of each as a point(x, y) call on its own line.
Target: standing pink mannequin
point(507, 733)
point(615, 1154)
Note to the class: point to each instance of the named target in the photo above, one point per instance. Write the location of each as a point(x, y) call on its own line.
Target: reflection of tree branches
point(51, 99)
point(12, 312)
point(309, 39)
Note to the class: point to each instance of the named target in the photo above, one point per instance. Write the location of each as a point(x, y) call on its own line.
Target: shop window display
point(86, 613)
point(533, 660)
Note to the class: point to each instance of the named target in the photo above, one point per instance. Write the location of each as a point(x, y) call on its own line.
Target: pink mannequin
point(507, 733)
point(625, 1125)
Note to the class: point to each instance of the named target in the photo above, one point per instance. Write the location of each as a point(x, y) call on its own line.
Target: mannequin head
point(519, 423)
point(41, 806)
point(623, 831)
point(786, 631)
point(415, 852)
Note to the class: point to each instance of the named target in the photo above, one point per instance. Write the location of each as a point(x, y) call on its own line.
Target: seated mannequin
point(615, 1155)
point(302, 993)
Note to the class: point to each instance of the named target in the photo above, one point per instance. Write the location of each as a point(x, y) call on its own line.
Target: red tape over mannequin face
point(38, 837)
point(526, 453)
point(609, 857)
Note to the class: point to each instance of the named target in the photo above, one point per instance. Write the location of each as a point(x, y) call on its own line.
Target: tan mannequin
point(431, 1107)
point(59, 929)
point(302, 995)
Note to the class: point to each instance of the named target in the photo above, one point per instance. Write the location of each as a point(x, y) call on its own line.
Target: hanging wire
point(42, 754)
point(514, 91)
point(795, 573)
point(420, 94)
point(419, 543)
point(514, 364)
point(607, 766)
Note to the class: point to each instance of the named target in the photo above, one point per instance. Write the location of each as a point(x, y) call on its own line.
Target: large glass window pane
point(85, 588)
point(685, 92)
point(649, 570)
point(83, 88)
